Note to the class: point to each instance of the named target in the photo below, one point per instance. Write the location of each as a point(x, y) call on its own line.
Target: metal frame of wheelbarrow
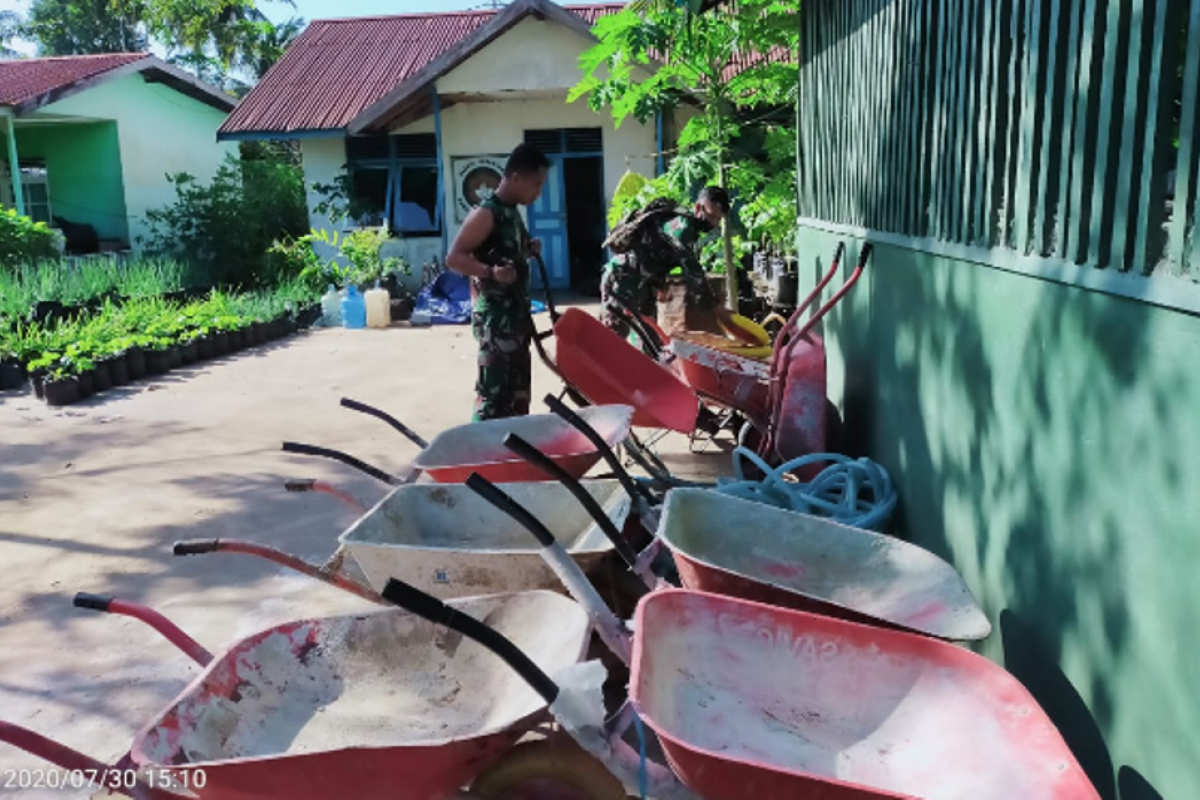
point(457, 760)
point(704, 419)
point(933, 600)
point(794, 636)
point(790, 337)
point(509, 470)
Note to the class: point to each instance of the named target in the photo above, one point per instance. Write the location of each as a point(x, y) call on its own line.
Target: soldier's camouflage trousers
point(501, 328)
point(632, 289)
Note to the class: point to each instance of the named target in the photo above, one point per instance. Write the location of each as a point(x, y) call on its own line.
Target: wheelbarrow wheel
point(548, 770)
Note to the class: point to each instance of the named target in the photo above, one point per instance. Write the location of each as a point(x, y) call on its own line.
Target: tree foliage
point(213, 38)
point(229, 224)
point(738, 64)
point(84, 27)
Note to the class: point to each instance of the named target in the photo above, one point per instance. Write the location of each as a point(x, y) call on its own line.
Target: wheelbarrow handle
point(169, 630)
point(406, 431)
point(74, 761)
point(580, 424)
point(203, 546)
point(337, 455)
point(541, 265)
point(538, 459)
point(430, 608)
point(864, 256)
point(606, 623)
point(320, 487)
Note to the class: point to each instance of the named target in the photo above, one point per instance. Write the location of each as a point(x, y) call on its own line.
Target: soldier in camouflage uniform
point(493, 248)
point(655, 247)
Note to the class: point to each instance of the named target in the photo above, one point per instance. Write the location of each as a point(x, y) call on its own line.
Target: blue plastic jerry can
point(354, 309)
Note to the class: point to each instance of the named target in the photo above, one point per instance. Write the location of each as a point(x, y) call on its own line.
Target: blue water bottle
point(354, 308)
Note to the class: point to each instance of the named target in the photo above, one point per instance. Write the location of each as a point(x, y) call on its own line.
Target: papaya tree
point(731, 63)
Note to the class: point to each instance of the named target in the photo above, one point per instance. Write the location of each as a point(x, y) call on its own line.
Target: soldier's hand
point(504, 272)
point(535, 248)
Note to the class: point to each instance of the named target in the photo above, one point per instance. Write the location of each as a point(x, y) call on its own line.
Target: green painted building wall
point(161, 132)
point(83, 162)
point(1045, 439)
point(1023, 353)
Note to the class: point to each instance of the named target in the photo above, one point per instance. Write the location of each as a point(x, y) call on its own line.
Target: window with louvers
point(567, 141)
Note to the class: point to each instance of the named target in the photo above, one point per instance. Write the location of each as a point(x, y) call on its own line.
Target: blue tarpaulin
point(447, 300)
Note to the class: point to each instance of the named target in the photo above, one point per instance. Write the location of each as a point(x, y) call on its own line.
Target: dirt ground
point(93, 496)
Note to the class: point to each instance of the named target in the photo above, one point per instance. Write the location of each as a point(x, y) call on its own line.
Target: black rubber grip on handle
point(414, 600)
point(580, 424)
point(337, 455)
point(407, 432)
point(93, 602)
point(554, 315)
point(196, 547)
point(489, 492)
point(864, 254)
point(537, 458)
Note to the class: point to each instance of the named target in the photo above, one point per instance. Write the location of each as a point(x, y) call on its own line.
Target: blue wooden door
point(548, 222)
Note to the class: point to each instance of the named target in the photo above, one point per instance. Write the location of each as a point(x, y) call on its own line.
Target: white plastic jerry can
point(379, 307)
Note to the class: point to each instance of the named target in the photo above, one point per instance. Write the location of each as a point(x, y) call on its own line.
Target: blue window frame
point(397, 179)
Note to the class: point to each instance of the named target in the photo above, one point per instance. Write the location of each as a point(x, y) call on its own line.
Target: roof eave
point(177, 79)
point(74, 88)
point(188, 84)
point(379, 111)
point(265, 135)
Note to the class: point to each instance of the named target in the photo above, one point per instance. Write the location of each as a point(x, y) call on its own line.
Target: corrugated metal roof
point(22, 80)
point(339, 67)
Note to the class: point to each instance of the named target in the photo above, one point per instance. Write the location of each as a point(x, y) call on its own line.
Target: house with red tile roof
point(88, 141)
point(420, 110)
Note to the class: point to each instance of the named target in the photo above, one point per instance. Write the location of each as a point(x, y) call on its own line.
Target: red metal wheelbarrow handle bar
point(172, 632)
point(321, 487)
point(201, 547)
point(95, 772)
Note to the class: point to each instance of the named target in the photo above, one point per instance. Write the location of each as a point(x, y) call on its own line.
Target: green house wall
point(1046, 440)
point(83, 162)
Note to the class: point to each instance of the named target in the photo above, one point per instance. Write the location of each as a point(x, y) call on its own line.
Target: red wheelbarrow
point(380, 704)
point(785, 396)
point(751, 700)
point(754, 551)
point(459, 451)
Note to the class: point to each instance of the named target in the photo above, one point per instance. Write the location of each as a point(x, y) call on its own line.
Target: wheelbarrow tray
point(454, 454)
point(750, 700)
point(449, 542)
point(758, 552)
point(724, 376)
point(374, 705)
point(606, 369)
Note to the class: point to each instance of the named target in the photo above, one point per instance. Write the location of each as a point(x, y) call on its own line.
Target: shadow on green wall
point(994, 436)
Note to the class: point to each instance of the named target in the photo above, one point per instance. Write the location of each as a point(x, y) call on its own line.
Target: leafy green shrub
point(230, 223)
point(23, 240)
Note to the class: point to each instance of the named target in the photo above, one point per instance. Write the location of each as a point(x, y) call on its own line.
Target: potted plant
point(135, 355)
point(157, 359)
point(12, 373)
point(61, 388)
point(117, 364)
point(189, 347)
point(84, 371)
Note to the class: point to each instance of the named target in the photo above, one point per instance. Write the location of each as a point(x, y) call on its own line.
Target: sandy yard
point(93, 496)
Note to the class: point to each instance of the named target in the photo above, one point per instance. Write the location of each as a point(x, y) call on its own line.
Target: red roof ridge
point(469, 12)
point(87, 57)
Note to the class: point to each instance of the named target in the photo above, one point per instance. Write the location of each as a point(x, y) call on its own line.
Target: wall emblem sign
point(475, 179)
